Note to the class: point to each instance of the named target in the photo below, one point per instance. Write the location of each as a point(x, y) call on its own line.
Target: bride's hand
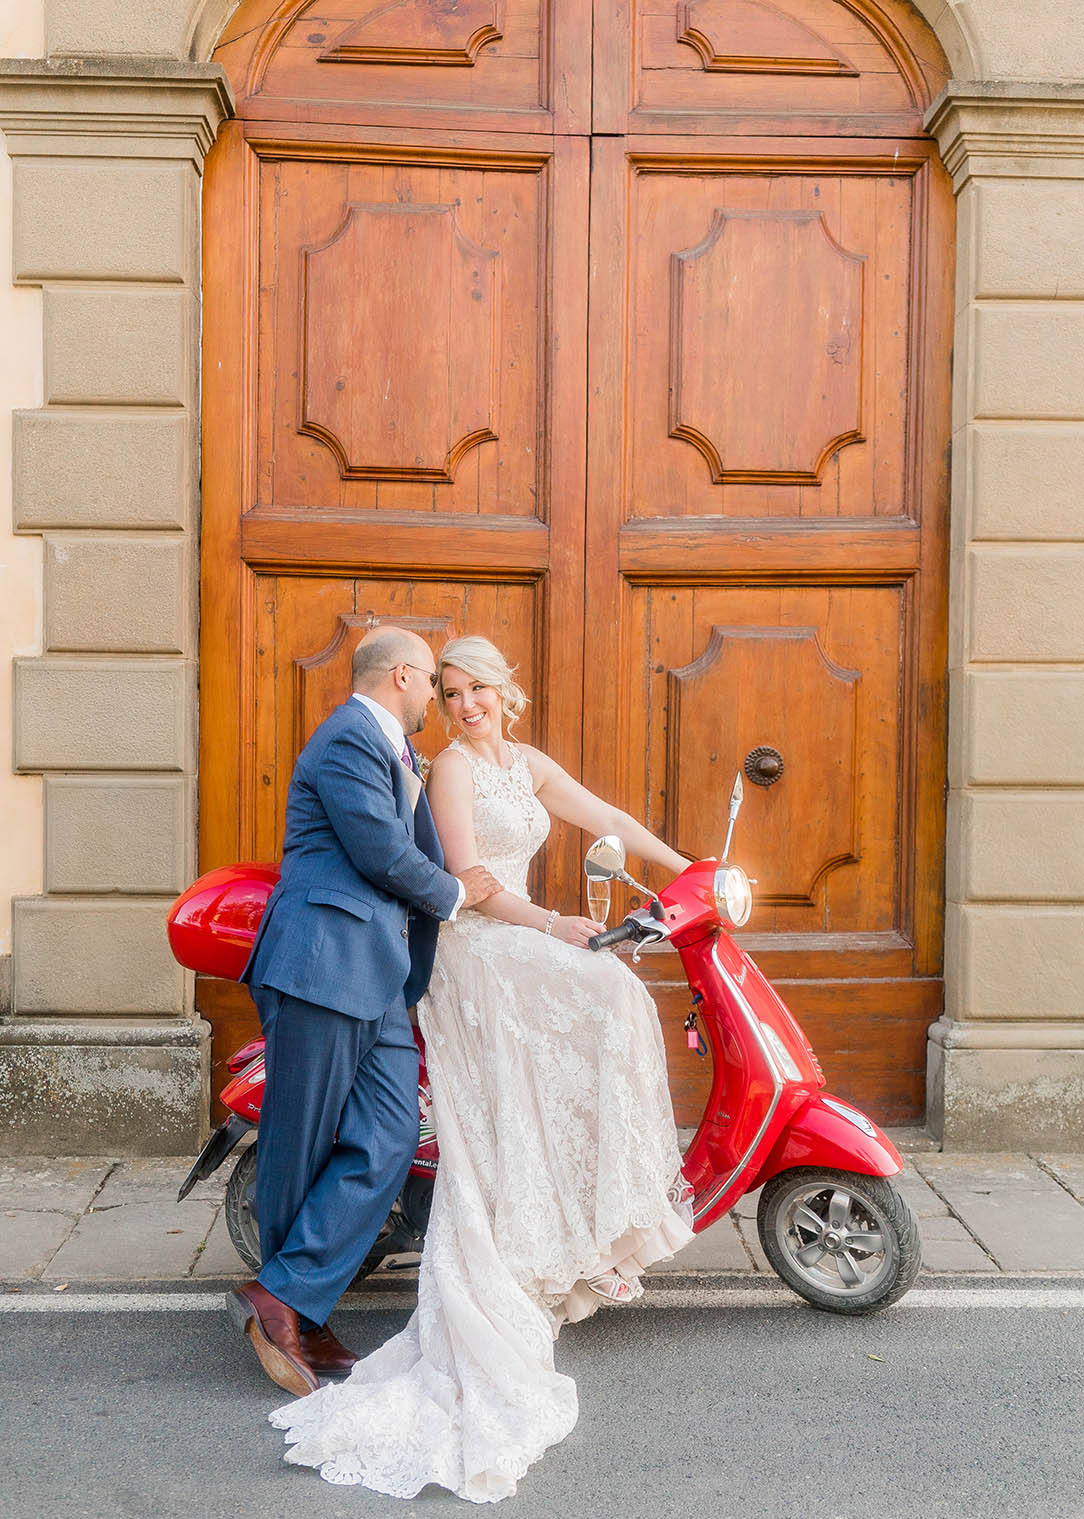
point(575, 930)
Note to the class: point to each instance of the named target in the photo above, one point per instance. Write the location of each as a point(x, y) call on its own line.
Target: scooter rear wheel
point(240, 1211)
point(398, 1234)
point(845, 1242)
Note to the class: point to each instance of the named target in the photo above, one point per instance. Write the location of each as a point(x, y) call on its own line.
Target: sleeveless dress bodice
point(510, 823)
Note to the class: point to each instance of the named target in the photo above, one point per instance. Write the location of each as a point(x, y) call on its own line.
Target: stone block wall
point(1006, 1061)
point(107, 157)
point(20, 558)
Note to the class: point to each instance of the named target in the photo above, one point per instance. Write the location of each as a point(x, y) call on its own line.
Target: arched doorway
point(630, 347)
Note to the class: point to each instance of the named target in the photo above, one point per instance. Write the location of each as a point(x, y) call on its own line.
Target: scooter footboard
point(831, 1134)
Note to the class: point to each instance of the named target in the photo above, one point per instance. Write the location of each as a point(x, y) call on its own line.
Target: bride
point(559, 1178)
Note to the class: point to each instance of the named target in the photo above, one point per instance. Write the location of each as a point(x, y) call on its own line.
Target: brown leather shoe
point(272, 1328)
point(324, 1353)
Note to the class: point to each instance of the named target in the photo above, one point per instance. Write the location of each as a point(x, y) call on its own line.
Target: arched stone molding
point(949, 24)
point(206, 24)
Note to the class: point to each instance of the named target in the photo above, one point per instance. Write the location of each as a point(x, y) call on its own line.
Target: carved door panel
point(766, 559)
point(475, 65)
point(855, 68)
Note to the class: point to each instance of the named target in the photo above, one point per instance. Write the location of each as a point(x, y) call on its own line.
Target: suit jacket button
point(403, 932)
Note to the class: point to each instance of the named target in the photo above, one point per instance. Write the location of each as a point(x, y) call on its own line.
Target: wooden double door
point(623, 339)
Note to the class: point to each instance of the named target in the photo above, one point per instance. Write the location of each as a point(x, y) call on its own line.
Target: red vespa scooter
point(830, 1221)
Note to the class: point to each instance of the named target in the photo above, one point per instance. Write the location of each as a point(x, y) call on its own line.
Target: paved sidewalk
point(100, 1220)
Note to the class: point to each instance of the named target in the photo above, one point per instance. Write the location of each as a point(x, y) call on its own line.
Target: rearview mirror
point(605, 858)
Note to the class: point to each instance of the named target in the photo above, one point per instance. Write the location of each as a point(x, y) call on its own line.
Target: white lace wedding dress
point(557, 1151)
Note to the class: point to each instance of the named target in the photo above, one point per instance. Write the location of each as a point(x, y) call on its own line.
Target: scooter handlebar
point(616, 935)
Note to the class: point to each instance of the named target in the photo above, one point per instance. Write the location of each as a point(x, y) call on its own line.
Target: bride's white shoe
point(615, 1288)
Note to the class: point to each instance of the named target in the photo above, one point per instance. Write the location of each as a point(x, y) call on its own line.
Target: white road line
point(112, 1302)
point(919, 1297)
point(705, 1297)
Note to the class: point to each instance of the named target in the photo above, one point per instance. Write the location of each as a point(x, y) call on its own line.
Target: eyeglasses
point(432, 674)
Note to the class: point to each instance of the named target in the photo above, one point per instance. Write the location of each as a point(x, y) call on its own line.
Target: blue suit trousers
point(338, 1131)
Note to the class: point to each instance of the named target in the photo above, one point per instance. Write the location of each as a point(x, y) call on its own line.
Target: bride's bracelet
point(551, 920)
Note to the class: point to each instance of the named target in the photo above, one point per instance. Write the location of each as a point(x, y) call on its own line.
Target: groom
point(346, 943)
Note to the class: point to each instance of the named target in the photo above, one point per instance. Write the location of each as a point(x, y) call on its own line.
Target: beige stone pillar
point(102, 1051)
point(1006, 1061)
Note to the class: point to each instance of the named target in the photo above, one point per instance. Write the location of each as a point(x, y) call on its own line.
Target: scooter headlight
point(733, 894)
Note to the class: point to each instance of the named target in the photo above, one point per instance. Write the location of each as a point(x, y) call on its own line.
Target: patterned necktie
point(405, 756)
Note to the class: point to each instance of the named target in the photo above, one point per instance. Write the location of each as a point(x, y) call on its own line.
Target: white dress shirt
point(392, 730)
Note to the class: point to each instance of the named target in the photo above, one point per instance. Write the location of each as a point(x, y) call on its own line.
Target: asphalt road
point(951, 1404)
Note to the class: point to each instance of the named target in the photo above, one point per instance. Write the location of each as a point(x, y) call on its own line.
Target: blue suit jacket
point(356, 857)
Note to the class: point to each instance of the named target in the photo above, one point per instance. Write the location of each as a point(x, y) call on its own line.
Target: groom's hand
point(478, 884)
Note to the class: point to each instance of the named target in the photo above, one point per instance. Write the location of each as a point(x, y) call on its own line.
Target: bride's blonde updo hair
point(483, 661)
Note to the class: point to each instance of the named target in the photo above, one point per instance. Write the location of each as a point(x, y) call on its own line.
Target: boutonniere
point(423, 764)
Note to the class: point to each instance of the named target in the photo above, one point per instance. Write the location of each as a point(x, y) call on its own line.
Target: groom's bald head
point(381, 651)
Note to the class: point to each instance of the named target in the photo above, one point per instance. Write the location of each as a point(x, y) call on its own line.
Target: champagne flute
point(598, 900)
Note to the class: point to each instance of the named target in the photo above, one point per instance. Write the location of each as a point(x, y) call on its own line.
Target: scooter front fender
point(833, 1135)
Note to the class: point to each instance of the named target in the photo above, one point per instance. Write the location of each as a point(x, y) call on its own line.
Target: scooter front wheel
point(845, 1242)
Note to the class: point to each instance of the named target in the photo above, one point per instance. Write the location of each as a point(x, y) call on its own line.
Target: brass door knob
point(764, 765)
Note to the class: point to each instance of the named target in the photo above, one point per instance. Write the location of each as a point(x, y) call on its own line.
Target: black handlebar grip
point(613, 936)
